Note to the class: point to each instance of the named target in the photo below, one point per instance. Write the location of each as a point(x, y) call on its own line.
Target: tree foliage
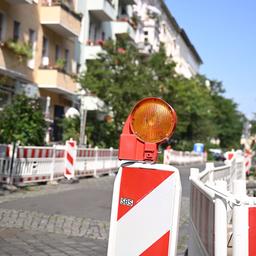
point(23, 121)
point(253, 125)
point(122, 75)
point(71, 128)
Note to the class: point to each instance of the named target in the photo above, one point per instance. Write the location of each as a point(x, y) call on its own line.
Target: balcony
point(19, 1)
point(11, 63)
point(104, 10)
point(60, 18)
point(92, 51)
point(120, 28)
point(56, 81)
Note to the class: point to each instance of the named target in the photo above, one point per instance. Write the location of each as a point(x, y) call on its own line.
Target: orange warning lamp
point(151, 122)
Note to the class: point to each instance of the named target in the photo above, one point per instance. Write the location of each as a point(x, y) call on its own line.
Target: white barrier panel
point(202, 209)
point(183, 158)
point(96, 162)
point(145, 211)
point(41, 164)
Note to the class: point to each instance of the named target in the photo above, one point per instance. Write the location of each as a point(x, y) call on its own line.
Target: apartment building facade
point(103, 20)
point(147, 23)
point(156, 26)
point(37, 54)
point(44, 43)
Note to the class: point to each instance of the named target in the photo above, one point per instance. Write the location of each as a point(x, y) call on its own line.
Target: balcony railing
point(104, 10)
point(60, 16)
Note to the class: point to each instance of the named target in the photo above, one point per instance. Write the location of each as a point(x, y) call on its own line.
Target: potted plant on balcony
point(60, 64)
point(21, 49)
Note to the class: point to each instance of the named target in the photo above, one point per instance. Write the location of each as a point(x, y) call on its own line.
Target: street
point(67, 219)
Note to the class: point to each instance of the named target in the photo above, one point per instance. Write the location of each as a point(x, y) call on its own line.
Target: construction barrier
point(145, 210)
point(222, 216)
point(183, 158)
point(23, 165)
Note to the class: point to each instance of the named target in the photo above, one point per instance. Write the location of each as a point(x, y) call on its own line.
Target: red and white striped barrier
point(248, 162)
point(70, 158)
point(145, 211)
point(42, 164)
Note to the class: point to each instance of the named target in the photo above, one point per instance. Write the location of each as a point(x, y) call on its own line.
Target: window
point(1, 26)
point(31, 37)
point(103, 36)
point(45, 59)
point(16, 31)
point(32, 43)
point(57, 52)
point(145, 32)
point(45, 47)
point(123, 10)
point(66, 60)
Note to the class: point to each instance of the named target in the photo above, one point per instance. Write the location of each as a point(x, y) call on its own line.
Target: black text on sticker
point(126, 201)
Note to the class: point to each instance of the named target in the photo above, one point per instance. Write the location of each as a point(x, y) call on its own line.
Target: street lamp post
point(83, 116)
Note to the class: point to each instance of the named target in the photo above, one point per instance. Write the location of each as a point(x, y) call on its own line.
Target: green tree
point(253, 125)
point(71, 128)
point(120, 77)
point(229, 121)
point(23, 121)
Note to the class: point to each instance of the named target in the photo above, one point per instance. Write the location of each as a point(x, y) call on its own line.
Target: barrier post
point(14, 152)
point(111, 172)
point(220, 222)
point(240, 230)
point(70, 158)
point(53, 163)
point(96, 162)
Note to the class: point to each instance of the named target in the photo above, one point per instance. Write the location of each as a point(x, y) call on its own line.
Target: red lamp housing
point(151, 122)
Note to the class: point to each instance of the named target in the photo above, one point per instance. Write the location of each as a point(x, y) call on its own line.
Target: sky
point(224, 34)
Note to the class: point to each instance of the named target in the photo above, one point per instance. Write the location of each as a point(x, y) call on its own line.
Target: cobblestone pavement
point(32, 233)
point(16, 242)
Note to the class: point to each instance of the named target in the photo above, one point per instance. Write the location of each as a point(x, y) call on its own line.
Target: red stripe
point(252, 231)
point(7, 151)
point(33, 153)
point(47, 153)
point(137, 183)
point(72, 144)
point(70, 158)
point(68, 172)
point(40, 153)
point(159, 248)
point(25, 150)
